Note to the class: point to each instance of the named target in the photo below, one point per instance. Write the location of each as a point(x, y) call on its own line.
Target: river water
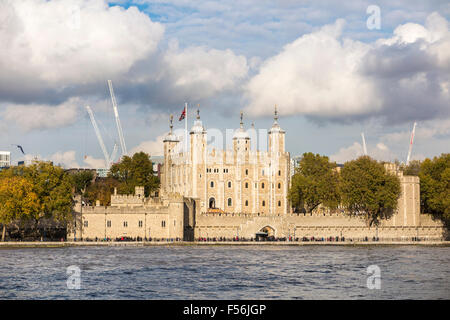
point(226, 272)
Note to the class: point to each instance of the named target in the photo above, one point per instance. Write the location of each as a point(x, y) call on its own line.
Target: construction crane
point(113, 154)
point(364, 144)
point(116, 115)
point(411, 143)
point(99, 137)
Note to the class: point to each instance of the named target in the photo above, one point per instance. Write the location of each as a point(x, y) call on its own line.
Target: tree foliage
point(315, 182)
point(81, 180)
point(368, 189)
point(135, 171)
point(412, 169)
point(17, 200)
point(101, 190)
point(52, 186)
point(435, 186)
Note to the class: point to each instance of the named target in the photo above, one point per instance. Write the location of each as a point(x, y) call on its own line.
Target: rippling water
point(226, 272)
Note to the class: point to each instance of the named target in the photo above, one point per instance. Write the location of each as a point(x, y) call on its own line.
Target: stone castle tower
point(239, 180)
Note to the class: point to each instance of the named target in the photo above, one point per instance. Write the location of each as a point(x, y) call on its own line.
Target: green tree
point(101, 190)
point(368, 189)
point(435, 186)
point(135, 171)
point(315, 182)
point(412, 169)
point(81, 180)
point(17, 200)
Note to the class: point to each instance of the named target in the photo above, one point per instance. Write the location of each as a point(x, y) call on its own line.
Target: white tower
point(198, 157)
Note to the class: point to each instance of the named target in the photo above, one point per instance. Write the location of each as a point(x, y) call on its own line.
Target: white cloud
point(65, 159)
point(347, 153)
point(314, 75)
point(199, 72)
point(66, 42)
point(94, 163)
point(321, 75)
point(152, 147)
point(379, 152)
point(30, 117)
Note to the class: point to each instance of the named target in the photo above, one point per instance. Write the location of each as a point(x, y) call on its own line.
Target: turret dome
point(241, 133)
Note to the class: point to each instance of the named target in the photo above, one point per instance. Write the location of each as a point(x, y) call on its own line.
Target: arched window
point(279, 185)
point(262, 185)
point(212, 184)
point(279, 203)
point(279, 172)
point(263, 203)
point(230, 203)
point(246, 185)
point(246, 172)
point(246, 203)
point(229, 184)
point(212, 203)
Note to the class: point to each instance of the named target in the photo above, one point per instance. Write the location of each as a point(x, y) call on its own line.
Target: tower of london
point(239, 180)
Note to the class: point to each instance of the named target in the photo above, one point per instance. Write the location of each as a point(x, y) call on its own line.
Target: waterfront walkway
point(48, 244)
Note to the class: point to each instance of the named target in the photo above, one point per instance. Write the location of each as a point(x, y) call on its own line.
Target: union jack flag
point(183, 114)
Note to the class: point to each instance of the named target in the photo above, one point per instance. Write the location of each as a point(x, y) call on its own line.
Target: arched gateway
point(266, 233)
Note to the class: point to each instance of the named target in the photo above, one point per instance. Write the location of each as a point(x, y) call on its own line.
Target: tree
point(135, 171)
point(412, 169)
point(368, 189)
point(435, 186)
point(52, 185)
point(81, 180)
point(17, 200)
point(101, 190)
point(315, 182)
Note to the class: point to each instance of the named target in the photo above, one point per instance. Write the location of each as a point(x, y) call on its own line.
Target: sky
point(334, 69)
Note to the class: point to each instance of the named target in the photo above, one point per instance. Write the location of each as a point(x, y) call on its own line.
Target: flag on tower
point(183, 114)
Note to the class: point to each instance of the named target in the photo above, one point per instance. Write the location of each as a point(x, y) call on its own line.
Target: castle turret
point(241, 140)
point(276, 136)
point(198, 137)
point(170, 141)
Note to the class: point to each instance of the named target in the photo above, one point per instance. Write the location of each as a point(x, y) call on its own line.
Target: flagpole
point(185, 127)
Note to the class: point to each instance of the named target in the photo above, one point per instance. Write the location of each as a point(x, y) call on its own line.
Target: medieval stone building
point(239, 193)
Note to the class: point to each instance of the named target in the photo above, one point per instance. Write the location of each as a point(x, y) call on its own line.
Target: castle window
point(263, 203)
point(246, 172)
point(279, 203)
point(212, 184)
point(163, 224)
point(230, 203)
point(108, 223)
point(140, 223)
point(246, 203)
point(263, 172)
point(229, 184)
point(279, 185)
point(246, 185)
point(262, 185)
point(125, 224)
point(86, 223)
point(279, 172)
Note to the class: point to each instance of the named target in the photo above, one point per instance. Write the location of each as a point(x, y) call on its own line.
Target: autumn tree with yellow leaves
point(17, 200)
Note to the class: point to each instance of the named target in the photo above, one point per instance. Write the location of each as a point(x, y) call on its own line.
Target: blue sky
point(330, 75)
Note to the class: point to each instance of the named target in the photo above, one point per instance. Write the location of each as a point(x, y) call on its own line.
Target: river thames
point(226, 272)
